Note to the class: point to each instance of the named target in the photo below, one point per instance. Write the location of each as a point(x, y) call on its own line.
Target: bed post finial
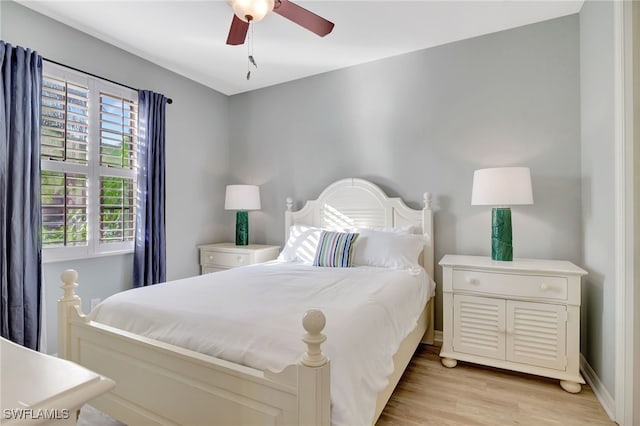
point(427, 200)
point(69, 285)
point(289, 204)
point(314, 322)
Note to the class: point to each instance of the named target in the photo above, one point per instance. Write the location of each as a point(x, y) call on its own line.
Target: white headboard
point(357, 202)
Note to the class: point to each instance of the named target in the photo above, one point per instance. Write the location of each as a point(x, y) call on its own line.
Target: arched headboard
point(354, 202)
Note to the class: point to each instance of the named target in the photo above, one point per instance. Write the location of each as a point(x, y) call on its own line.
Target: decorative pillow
point(388, 249)
point(301, 245)
point(335, 249)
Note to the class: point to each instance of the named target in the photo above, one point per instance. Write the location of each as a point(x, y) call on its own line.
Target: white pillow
point(301, 245)
point(388, 249)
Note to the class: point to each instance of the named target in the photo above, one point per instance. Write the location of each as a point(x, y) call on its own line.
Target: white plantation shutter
point(117, 209)
point(64, 135)
point(118, 155)
point(64, 209)
point(89, 164)
point(64, 126)
point(118, 132)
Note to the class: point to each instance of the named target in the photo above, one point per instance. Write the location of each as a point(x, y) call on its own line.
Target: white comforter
point(252, 316)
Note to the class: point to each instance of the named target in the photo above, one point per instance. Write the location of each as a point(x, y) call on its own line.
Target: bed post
point(69, 302)
point(427, 228)
point(428, 262)
point(287, 219)
point(314, 397)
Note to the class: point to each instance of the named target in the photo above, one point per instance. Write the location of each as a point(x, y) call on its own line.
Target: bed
point(162, 383)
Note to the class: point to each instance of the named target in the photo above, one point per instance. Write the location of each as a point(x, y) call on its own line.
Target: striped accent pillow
point(335, 249)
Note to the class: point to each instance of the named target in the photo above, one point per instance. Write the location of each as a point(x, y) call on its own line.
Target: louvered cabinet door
point(536, 334)
point(479, 326)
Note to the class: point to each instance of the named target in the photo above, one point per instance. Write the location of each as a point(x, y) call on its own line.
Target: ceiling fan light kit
point(246, 11)
point(252, 10)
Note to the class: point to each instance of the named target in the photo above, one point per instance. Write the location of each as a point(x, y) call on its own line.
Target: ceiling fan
point(247, 11)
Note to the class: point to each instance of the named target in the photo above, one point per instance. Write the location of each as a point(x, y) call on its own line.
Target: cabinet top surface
point(517, 265)
point(22, 368)
point(233, 247)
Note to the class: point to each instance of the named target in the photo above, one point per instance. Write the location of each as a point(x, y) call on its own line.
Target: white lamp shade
point(242, 197)
point(256, 9)
point(502, 186)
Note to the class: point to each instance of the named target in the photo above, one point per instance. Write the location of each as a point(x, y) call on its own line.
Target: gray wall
point(424, 122)
point(597, 159)
point(197, 152)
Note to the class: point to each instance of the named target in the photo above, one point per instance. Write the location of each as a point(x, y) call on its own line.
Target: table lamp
point(501, 187)
point(242, 198)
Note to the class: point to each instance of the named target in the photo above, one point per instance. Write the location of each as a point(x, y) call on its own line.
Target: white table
point(522, 315)
point(41, 389)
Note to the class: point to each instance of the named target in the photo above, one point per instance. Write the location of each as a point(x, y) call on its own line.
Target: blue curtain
point(21, 258)
point(149, 262)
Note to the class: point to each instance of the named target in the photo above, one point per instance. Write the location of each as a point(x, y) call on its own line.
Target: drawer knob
point(544, 287)
point(210, 257)
point(240, 259)
point(470, 280)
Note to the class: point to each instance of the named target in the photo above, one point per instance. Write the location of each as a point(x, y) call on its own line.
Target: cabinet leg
point(449, 362)
point(571, 387)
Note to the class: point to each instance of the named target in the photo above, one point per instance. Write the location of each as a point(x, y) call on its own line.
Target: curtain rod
point(169, 100)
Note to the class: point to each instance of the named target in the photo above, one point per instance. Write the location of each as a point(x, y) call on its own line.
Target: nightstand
point(522, 315)
point(221, 256)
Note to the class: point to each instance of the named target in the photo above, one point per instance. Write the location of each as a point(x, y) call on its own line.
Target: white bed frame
point(158, 383)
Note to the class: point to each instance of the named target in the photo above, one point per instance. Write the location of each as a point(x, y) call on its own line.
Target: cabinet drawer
point(220, 258)
point(211, 269)
point(534, 286)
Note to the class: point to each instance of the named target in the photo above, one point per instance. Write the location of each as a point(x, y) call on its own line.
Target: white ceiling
point(188, 37)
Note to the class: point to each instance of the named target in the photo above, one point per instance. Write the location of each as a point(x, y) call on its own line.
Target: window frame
point(93, 170)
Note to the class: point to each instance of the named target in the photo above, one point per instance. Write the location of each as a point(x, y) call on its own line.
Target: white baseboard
point(598, 388)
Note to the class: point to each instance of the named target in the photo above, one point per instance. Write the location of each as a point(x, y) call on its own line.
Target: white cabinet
point(221, 256)
point(522, 315)
point(42, 389)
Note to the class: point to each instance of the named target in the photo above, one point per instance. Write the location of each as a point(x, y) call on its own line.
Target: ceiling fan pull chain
point(249, 52)
point(250, 59)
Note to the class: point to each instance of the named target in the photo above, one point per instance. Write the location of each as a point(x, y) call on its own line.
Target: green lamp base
point(501, 248)
point(242, 228)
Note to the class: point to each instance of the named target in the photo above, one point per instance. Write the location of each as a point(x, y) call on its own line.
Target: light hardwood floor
point(472, 395)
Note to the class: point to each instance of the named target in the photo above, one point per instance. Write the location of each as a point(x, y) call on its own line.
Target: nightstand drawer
point(220, 258)
point(529, 286)
point(211, 269)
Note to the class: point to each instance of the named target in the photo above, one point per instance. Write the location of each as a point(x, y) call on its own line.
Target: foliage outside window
point(89, 163)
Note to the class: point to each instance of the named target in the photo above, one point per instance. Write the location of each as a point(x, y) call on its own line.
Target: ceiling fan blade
point(303, 17)
point(238, 31)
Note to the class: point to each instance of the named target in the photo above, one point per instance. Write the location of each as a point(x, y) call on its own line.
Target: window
point(89, 164)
